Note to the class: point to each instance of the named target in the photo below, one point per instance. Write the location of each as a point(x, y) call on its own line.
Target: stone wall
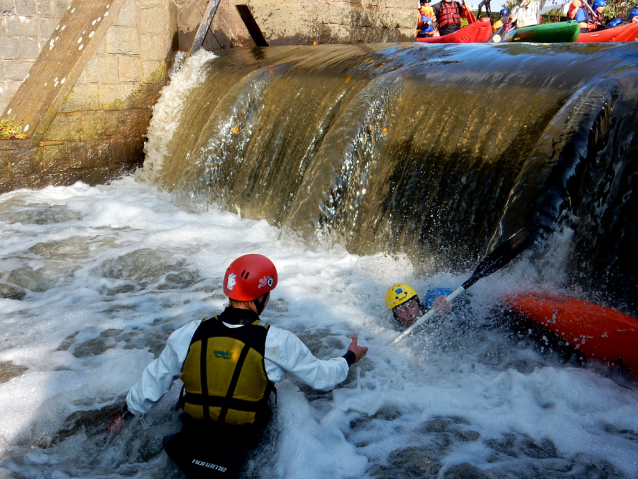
point(102, 122)
point(83, 76)
point(94, 128)
point(303, 22)
point(25, 27)
point(286, 22)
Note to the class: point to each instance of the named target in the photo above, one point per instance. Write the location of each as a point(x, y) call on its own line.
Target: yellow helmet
point(399, 294)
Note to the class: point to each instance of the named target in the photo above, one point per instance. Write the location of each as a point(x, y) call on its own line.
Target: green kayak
point(544, 33)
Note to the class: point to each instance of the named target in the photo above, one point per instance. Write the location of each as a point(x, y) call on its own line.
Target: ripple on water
point(14, 211)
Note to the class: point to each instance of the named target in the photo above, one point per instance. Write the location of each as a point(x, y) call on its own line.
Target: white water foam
point(99, 276)
point(168, 109)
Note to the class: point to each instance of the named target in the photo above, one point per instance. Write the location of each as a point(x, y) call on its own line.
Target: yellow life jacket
point(224, 373)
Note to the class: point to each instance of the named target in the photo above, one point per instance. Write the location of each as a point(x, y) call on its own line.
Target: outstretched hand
point(118, 420)
point(359, 351)
point(441, 305)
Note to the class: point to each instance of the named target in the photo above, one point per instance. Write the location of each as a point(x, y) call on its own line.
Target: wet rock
point(88, 421)
point(587, 467)
point(278, 305)
point(42, 279)
point(93, 347)
point(625, 433)
point(180, 280)
point(8, 291)
point(465, 471)
point(387, 414)
point(9, 370)
point(154, 341)
point(448, 429)
point(412, 462)
point(506, 445)
point(122, 289)
point(110, 333)
point(141, 265)
point(73, 247)
point(517, 445)
point(545, 450)
point(466, 436)
point(39, 214)
point(442, 424)
point(68, 342)
point(547, 469)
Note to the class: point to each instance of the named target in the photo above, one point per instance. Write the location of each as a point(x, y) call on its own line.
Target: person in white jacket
point(229, 365)
point(528, 13)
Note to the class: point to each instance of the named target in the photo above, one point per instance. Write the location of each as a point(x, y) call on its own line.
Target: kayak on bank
point(559, 32)
point(625, 33)
point(596, 332)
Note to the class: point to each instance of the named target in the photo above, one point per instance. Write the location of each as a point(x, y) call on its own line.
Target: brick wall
point(95, 127)
point(24, 30)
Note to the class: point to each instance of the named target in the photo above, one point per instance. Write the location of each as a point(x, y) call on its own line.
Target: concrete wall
point(304, 22)
point(86, 99)
point(25, 27)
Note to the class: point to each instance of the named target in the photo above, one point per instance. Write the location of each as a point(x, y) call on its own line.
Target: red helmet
point(249, 277)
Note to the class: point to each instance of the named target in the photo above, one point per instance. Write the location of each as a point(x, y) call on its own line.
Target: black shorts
point(213, 450)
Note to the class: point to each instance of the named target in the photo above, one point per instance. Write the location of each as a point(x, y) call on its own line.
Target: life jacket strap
point(233, 381)
point(222, 402)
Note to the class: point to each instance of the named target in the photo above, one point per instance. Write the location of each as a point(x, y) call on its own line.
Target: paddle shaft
point(492, 262)
point(595, 15)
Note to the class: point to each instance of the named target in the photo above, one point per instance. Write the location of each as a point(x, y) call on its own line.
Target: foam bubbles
point(94, 279)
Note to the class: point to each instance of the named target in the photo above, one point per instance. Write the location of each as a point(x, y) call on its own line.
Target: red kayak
point(595, 331)
point(479, 31)
point(625, 33)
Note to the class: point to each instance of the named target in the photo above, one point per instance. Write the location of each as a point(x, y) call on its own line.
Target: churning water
point(94, 279)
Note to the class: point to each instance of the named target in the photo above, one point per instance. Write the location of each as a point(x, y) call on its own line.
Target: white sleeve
point(286, 353)
point(159, 375)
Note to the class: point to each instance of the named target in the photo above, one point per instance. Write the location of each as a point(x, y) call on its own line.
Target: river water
point(94, 279)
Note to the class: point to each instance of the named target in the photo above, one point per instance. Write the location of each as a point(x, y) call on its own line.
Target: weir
point(434, 151)
point(437, 152)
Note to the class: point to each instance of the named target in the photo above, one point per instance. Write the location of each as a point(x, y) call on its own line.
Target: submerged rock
point(8, 291)
point(9, 370)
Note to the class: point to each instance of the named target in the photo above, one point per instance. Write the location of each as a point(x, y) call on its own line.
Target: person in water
point(588, 21)
point(448, 15)
point(406, 307)
point(229, 364)
point(424, 26)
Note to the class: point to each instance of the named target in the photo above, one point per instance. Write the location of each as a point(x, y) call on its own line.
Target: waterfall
point(434, 151)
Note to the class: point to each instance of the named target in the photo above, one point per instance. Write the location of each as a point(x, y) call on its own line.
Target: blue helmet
point(599, 3)
point(633, 13)
point(505, 11)
point(614, 23)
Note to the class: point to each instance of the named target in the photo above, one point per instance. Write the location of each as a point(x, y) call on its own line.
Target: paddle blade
point(502, 255)
point(470, 16)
